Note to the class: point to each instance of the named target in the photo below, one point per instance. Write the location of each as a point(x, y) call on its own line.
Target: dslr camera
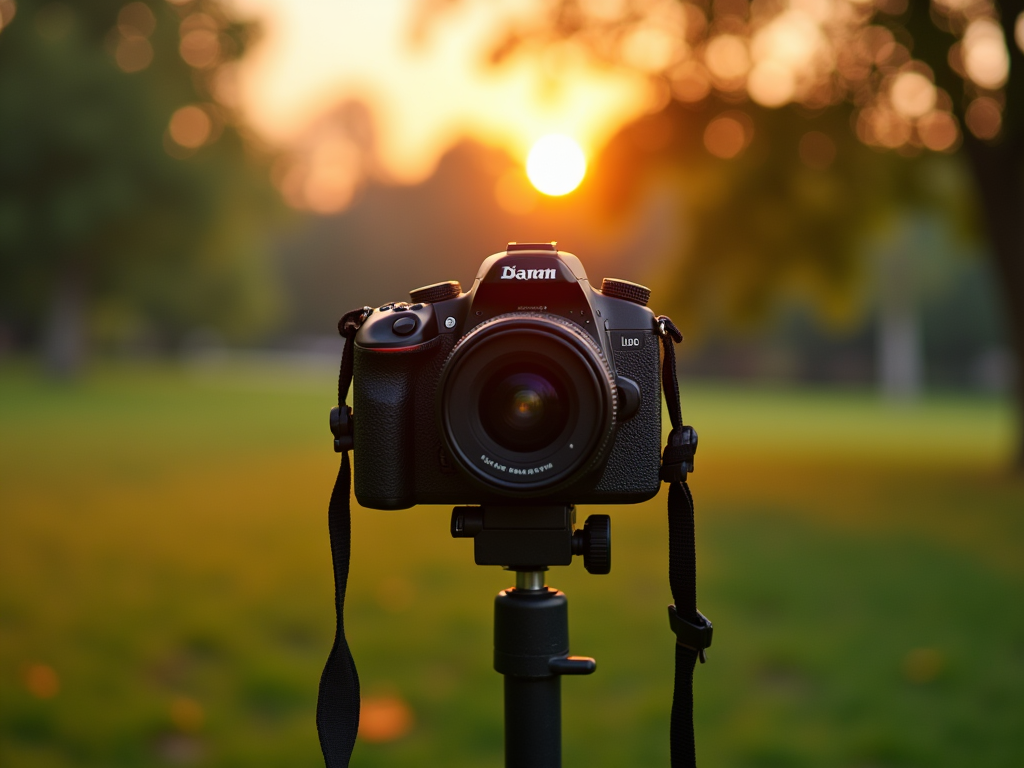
point(531, 388)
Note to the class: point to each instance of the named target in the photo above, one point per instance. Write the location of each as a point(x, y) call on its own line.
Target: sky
point(316, 53)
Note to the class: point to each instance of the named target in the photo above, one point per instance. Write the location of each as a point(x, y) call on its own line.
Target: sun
point(556, 164)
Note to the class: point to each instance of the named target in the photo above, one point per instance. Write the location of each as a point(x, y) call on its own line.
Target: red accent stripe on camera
point(396, 349)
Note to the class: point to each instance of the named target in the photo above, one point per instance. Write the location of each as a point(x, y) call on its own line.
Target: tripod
point(531, 621)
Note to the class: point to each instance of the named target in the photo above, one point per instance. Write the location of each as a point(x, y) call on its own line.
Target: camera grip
point(383, 402)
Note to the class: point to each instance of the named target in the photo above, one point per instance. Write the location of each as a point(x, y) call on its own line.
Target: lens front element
point(522, 409)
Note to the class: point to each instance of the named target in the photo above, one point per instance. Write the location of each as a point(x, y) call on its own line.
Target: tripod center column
point(531, 627)
point(530, 581)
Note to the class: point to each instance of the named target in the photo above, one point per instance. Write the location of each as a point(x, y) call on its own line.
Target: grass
point(166, 594)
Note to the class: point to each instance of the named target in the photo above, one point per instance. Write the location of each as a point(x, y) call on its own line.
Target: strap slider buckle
point(677, 459)
point(342, 423)
point(696, 637)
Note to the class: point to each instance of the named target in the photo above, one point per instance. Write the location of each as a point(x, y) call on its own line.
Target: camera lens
point(523, 409)
point(527, 404)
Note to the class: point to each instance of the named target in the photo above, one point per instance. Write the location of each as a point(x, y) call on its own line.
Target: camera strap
point(337, 709)
point(692, 628)
point(337, 705)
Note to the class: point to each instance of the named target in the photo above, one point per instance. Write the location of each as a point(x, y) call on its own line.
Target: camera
point(531, 387)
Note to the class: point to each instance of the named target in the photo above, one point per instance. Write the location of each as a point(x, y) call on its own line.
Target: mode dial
point(430, 294)
point(623, 289)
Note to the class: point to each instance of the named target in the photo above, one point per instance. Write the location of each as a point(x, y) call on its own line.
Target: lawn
point(166, 593)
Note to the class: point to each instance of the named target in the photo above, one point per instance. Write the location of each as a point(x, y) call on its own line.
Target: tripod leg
point(533, 722)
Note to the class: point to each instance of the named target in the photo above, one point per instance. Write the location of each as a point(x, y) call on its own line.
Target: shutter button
point(404, 325)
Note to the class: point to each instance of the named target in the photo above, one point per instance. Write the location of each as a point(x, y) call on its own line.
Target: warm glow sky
point(314, 53)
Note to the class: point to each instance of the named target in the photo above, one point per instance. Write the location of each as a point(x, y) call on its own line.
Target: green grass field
point(166, 593)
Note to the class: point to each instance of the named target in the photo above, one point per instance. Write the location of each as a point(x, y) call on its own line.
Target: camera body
point(530, 388)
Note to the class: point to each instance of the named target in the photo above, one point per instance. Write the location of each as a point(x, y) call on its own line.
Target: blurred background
point(826, 195)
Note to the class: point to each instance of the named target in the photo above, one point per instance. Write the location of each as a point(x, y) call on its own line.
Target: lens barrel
point(527, 403)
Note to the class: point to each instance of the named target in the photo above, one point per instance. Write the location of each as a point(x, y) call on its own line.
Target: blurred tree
point(805, 99)
point(128, 206)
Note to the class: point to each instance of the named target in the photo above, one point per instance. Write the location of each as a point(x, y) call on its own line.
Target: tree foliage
point(908, 72)
point(129, 205)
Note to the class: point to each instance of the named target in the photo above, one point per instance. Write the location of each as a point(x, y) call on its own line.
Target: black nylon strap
point(677, 460)
point(337, 706)
point(682, 569)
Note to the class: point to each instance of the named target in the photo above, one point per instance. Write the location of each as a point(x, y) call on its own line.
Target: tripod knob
point(597, 547)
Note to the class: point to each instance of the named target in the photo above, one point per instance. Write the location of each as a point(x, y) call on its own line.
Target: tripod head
point(531, 622)
point(525, 538)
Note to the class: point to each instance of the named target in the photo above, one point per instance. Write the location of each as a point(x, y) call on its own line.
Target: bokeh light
point(938, 131)
point(791, 53)
point(132, 50)
point(190, 126)
point(200, 42)
point(384, 718)
point(689, 82)
point(650, 48)
point(728, 135)
point(984, 117)
point(912, 94)
point(556, 164)
point(41, 681)
point(727, 58)
point(133, 54)
point(984, 54)
point(771, 84)
point(136, 20)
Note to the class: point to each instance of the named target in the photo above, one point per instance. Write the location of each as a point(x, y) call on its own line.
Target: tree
point(128, 203)
point(750, 85)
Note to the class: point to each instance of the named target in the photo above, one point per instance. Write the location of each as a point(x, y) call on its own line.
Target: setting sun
point(556, 164)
